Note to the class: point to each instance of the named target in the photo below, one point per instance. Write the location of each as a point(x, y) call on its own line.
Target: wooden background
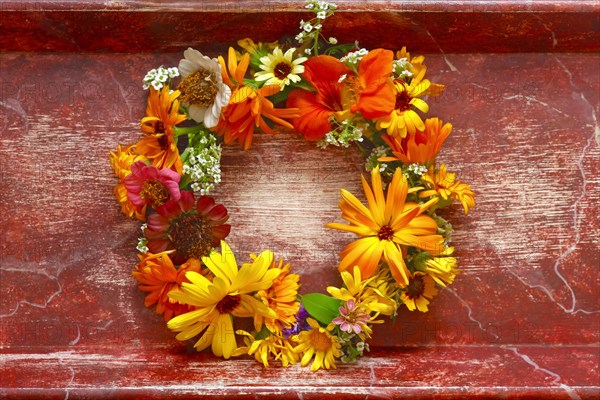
point(522, 319)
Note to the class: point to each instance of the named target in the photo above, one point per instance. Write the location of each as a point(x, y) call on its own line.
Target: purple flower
point(300, 325)
point(351, 319)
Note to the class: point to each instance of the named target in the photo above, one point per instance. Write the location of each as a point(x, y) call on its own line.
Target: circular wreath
point(334, 95)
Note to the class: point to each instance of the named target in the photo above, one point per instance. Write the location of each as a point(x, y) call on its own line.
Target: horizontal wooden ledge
point(262, 6)
point(427, 27)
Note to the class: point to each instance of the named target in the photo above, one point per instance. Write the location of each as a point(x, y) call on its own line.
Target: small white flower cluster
point(203, 164)
point(158, 77)
point(417, 169)
point(372, 160)
point(401, 68)
point(353, 57)
point(312, 28)
point(142, 245)
point(345, 134)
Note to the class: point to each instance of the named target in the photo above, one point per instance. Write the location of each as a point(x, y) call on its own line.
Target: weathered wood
point(522, 318)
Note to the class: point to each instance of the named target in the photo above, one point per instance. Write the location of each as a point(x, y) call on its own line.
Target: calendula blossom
point(444, 184)
point(229, 294)
point(385, 227)
point(318, 343)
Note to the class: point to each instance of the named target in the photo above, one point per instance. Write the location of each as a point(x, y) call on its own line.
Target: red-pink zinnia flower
point(351, 319)
point(149, 185)
point(191, 231)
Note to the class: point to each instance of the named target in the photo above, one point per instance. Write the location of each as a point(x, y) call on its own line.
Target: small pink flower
point(351, 319)
point(149, 185)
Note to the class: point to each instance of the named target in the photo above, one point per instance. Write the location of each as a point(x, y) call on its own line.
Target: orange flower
point(159, 144)
point(387, 227)
point(247, 106)
point(420, 147)
point(316, 109)
point(158, 276)
point(372, 90)
point(121, 162)
point(281, 297)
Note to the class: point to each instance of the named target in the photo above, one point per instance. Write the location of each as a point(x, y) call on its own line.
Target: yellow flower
point(121, 164)
point(444, 184)
point(380, 292)
point(281, 297)
point(385, 227)
point(415, 67)
point(442, 269)
point(228, 295)
point(404, 118)
point(280, 69)
point(267, 349)
point(319, 343)
point(372, 294)
point(419, 292)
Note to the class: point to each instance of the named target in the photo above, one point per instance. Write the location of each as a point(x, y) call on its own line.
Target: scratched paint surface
point(522, 318)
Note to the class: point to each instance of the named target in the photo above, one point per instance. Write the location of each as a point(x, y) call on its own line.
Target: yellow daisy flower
point(385, 227)
point(419, 292)
point(442, 269)
point(217, 302)
point(279, 68)
point(366, 292)
point(319, 343)
point(444, 184)
point(267, 349)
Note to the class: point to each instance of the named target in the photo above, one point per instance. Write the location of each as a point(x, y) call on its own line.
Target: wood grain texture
point(522, 319)
point(432, 26)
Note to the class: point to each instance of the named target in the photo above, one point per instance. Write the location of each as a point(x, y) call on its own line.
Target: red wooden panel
point(521, 320)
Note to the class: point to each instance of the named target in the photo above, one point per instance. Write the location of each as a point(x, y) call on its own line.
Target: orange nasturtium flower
point(247, 107)
point(386, 226)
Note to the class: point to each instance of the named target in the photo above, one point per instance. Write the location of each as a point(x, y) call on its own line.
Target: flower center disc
point(155, 192)
point(192, 236)
point(416, 287)
point(385, 233)
point(282, 70)
point(320, 341)
point(228, 303)
point(402, 101)
point(198, 88)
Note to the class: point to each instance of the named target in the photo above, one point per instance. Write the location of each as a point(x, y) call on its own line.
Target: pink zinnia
point(351, 319)
point(149, 185)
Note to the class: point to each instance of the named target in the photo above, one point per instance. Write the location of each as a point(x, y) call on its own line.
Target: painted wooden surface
point(433, 26)
point(522, 319)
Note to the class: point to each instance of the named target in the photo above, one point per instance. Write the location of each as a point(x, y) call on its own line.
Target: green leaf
point(321, 307)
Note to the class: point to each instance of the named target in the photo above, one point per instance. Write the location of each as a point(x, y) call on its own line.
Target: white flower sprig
point(158, 77)
point(311, 30)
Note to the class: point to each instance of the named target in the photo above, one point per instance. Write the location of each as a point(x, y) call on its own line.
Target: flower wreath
point(367, 98)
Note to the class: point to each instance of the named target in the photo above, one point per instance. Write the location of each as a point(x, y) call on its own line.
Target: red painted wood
point(432, 26)
point(522, 319)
